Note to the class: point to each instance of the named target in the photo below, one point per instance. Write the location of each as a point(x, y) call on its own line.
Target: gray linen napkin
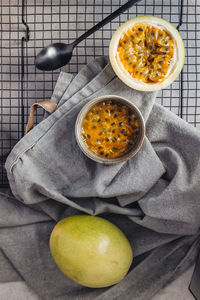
point(153, 197)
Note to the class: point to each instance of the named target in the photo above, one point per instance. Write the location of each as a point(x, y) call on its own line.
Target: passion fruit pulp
point(147, 53)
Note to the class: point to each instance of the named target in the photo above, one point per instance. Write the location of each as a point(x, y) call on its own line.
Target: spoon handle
point(105, 21)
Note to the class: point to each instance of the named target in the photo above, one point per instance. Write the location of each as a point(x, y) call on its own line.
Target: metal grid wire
point(29, 25)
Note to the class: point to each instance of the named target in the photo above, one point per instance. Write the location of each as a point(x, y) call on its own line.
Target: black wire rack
point(29, 25)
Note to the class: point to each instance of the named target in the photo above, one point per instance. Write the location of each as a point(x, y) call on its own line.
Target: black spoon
point(57, 55)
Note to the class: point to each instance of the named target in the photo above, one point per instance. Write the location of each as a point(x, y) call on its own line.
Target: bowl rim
point(82, 144)
point(124, 76)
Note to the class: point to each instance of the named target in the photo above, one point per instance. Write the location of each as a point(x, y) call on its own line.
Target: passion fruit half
point(147, 53)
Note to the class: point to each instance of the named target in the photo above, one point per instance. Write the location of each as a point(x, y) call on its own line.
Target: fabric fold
point(153, 197)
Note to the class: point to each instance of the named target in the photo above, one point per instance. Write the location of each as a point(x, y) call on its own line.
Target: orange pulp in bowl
point(110, 129)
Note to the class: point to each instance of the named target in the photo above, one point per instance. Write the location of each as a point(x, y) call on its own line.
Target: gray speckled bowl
point(83, 146)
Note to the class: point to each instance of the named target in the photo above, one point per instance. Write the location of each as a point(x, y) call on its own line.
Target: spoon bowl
point(54, 56)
